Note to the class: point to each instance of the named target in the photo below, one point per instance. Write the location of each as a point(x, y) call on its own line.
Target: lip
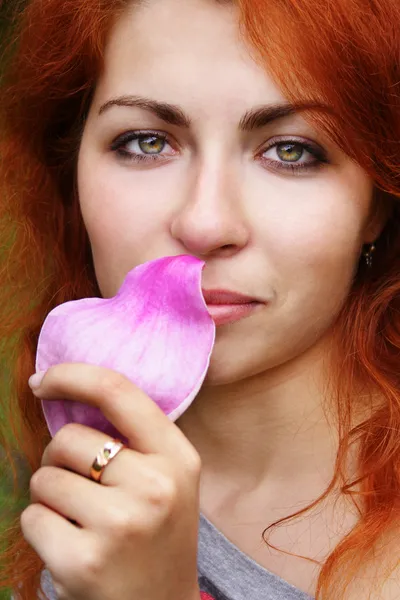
point(226, 297)
point(226, 307)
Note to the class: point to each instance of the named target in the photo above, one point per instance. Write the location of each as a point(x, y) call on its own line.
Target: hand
point(135, 536)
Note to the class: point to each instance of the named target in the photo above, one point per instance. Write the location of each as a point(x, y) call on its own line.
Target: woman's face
point(171, 162)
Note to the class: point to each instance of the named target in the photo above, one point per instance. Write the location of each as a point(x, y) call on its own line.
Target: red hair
point(343, 54)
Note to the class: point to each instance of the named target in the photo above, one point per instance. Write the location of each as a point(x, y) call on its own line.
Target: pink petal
point(156, 331)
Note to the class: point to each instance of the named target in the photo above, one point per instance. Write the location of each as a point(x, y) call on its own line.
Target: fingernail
point(35, 380)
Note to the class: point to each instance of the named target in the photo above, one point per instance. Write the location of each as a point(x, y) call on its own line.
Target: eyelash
point(131, 136)
point(320, 157)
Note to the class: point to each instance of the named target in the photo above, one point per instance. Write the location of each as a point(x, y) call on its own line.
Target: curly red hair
point(345, 54)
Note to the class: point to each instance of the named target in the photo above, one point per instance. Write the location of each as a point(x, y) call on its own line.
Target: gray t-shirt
point(226, 573)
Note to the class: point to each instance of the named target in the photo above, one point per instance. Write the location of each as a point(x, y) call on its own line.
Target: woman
point(261, 137)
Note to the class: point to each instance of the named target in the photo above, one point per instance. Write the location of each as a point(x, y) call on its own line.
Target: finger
point(54, 539)
point(127, 407)
point(63, 492)
point(75, 447)
point(78, 499)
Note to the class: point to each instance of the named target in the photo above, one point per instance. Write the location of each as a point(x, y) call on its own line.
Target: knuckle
point(121, 521)
point(28, 517)
point(40, 478)
point(54, 374)
point(89, 568)
point(81, 567)
point(162, 493)
point(65, 436)
point(35, 481)
point(91, 563)
point(112, 383)
point(189, 458)
point(59, 449)
point(46, 479)
point(193, 463)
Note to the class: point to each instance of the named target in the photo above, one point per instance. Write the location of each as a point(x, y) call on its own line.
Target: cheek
point(313, 230)
point(125, 217)
point(309, 247)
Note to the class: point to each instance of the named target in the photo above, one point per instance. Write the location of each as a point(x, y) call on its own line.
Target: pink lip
point(226, 297)
point(227, 307)
point(228, 313)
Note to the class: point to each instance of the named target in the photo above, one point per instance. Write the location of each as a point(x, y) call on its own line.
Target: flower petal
point(156, 331)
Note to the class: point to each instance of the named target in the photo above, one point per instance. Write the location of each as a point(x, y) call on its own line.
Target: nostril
point(229, 248)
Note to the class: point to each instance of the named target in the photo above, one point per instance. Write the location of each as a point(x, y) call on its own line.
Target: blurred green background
point(10, 504)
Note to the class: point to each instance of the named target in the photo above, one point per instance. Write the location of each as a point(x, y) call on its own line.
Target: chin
point(228, 366)
point(236, 361)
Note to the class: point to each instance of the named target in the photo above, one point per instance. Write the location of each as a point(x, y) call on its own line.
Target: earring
point(368, 255)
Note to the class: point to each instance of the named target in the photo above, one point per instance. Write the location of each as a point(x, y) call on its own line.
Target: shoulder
point(47, 586)
point(380, 578)
point(390, 571)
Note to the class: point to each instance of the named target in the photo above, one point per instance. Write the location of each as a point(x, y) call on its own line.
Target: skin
point(131, 531)
point(293, 241)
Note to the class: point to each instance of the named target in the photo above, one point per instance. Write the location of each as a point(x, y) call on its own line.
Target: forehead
point(190, 52)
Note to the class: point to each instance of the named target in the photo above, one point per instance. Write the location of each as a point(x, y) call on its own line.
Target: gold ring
point(107, 453)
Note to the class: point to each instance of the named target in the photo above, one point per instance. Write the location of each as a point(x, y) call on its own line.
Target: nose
point(210, 218)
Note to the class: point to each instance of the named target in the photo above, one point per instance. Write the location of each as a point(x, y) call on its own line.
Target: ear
point(382, 207)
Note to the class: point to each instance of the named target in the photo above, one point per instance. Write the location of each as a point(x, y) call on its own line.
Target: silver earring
point(368, 255)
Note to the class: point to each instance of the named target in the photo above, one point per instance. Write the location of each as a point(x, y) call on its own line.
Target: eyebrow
point(251, 120)
point(166, 112)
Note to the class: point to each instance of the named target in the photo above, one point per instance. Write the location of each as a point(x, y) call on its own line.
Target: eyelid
point(132, 134)
point(318, 153)
point(290, 139)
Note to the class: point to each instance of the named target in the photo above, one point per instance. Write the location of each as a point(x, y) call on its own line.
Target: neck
point(268, 429)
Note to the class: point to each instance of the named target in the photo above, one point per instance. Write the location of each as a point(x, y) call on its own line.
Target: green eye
point(151, 144)
point(142, 146)
point(290, 152)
